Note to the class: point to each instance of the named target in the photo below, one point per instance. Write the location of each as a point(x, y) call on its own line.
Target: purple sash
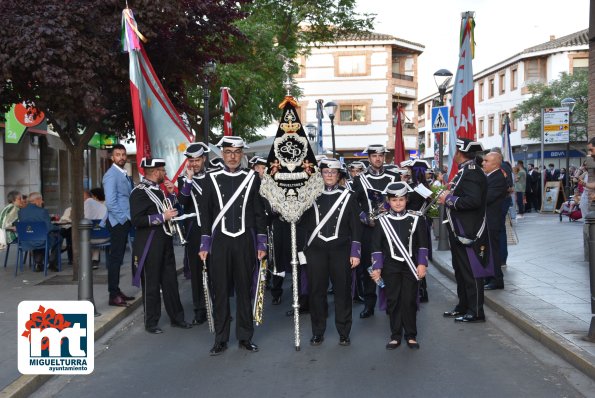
point(136, 278)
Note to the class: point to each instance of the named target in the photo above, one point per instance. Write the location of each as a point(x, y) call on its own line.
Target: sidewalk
point(546, 290)
point(30, 285)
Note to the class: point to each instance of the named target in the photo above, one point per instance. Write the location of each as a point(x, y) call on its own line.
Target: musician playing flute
point(333, 250)
point(154, 261)
point(400, 258)
point(234, 236)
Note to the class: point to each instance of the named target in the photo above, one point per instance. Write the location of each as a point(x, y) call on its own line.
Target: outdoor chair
point(100, 237)
point(33, 236)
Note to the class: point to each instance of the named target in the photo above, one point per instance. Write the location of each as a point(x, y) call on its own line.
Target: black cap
point(150, 163)
point(468, 146)
point(196, 150)
point(397, 189)
point(232, 141)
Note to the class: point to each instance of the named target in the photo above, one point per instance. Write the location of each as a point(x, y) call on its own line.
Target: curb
point(26, 385)
point(555, 342)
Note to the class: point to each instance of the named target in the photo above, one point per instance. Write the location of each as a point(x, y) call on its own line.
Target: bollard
point(85, 271)
point(442, 231)
point(590, 221)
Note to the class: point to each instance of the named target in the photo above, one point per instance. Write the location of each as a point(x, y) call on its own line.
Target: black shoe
point(392, 345)
point(302, 311)
point(181, 325)
point(493, 286)
point(276, 300)
point(468, 318)
point(366, 313)
point(117, 302)
point(154, 330)
point(453, 314)
point(199, 320)
point(95, 264)
point(38, 268)
point(344, 340)
point(248, 345)
point(316, 339)
point(218, 348)
point(413, 344)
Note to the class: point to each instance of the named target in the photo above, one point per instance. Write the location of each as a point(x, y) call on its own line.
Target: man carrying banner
point(465, 205)
point(154, 261)
point(232, 217)
point(368, 187)
point(190, 196)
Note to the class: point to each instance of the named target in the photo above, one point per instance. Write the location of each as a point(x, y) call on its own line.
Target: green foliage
point(433, 211)
point(273, 31)
point(549, 95)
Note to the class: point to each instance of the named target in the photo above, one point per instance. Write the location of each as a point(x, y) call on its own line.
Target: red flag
point(159, 129)
point(226, 101)
point(462, 111)
point(399, 144)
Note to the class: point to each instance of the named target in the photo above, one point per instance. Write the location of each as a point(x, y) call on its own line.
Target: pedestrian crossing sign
point(439, 119)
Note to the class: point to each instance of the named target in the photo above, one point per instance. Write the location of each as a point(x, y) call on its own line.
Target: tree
point(550, 95)
point(275, 31)
point(65, 57)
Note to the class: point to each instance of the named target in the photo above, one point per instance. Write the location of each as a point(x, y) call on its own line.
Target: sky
point(503, 28)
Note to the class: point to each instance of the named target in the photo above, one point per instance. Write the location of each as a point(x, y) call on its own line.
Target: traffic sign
point(440, 119)
point(556, 126)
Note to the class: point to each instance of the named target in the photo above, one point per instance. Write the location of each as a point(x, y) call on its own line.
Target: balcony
point(401, 76)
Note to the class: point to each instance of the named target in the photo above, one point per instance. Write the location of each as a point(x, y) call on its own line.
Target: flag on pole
point(226, 102)
point(160, 131)
point(462, 110)
point(319, 116)
point(399, 144)
point(506, 147)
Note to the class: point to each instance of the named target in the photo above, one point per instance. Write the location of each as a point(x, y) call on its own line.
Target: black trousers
point(282, 242)
point(469, 289)
point(323, 263)
point(495, 252)
point(159, 273)
point(363, 276)
point(232, 266)
point(115, 258)
point(192, 248)
point(401, 298)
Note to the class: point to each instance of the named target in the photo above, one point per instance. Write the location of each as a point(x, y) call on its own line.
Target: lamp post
point(312, 136)
point(569, 103)
point(209, 71)
point(524, 148)
point(442, 78)
point(331, 108)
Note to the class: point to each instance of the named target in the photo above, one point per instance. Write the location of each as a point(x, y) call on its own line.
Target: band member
point(465, 205)
point(418, 201)
point(232, 216)
point(374, 179)
point(400, 258)
point(190, 196)
point(154, 260)
point(356, 168)
point(333, 249)
point(258, 164)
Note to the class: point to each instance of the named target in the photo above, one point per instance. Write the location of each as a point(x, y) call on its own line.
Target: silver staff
point(208, 302)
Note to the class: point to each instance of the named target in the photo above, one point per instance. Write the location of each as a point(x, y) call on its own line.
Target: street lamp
point(312, 136)
point(209, 72)
point(569, 103)
point(331, 108)
point(442, 78)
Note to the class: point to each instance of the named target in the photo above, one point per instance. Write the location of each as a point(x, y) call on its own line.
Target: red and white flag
point(399, 144)
point(462, 112)
point(160, 131)
point(226, 103)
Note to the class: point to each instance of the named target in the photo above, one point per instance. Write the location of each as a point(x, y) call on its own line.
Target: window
point(490, 125)
point(481, 127)
point(491, 87)
point(480, 91)
point(514, 78)
point(502, 82)
point(501, 120)
point(535, 70)
point(514, 123)
point(301, 63)
point(580, 64)
point(354, 112)
point(357, 64)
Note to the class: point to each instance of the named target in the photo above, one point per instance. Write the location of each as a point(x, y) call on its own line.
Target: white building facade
point(499, 90)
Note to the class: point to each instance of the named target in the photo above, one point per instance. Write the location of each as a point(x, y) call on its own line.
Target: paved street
point(487, 360)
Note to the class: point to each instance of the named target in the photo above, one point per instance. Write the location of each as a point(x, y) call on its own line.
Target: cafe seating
point(33, 236)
